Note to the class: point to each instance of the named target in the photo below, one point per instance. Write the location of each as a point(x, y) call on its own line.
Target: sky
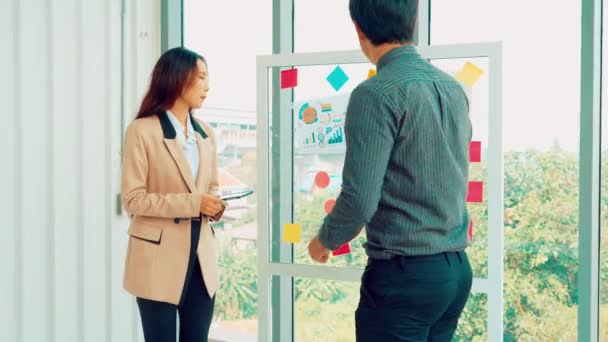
point(541, 55)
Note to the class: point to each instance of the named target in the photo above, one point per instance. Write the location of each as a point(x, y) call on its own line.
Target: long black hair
point(174, 71)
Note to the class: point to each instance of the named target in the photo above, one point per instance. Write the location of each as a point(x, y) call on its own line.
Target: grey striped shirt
point(407, 159)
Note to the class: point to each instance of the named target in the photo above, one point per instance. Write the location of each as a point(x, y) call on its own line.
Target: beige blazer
point(159, 192)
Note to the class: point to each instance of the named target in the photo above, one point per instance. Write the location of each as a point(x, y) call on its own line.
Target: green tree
point(541, 258)
point(237, 296)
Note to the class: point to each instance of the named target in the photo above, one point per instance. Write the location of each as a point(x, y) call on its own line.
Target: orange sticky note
point(371, 73)
point(292, 232)
point(469, 74)
point(471, 231)
point(289, 78)
point(344, 249)
point(475, 152)
point(475, 193)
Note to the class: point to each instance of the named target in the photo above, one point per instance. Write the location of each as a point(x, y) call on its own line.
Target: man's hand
point(317, 251)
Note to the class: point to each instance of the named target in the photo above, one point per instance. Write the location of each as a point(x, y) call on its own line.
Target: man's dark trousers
point(418, 298)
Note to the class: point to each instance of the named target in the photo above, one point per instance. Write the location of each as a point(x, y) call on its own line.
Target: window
point(324, 310)
point(323, 26)
point(541, 79)
point(322, 157)
point(541, 87)
point(230, 38)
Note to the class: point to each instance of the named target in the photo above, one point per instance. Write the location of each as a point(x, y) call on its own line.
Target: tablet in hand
point(236, 195)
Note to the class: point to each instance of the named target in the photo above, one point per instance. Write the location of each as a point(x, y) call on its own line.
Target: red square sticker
point(344, 249)
point(289, 78)
point(475, 194)
point(475, 152)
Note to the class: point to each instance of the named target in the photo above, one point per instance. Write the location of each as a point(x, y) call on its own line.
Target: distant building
point(235, 129)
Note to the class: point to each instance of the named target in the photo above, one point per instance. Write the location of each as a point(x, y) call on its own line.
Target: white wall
point(62, 245)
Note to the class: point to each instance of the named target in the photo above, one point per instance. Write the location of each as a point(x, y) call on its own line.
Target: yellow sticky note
point(292, 232)
point(371, 73)
point(469, 74)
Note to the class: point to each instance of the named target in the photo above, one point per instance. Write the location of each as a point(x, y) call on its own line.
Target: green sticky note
point(337, 78)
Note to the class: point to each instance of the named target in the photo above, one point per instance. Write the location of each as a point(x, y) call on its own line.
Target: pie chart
point(308, 114)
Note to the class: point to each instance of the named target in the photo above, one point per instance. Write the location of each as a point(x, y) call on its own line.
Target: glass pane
point(473, 323)
point(312, 152)
point(232, 67)
point(323, 26)
point(478, 96)
point(316, 154)
point(319, 152)
point(541, 140)
point(236, 300)
point(232, 70)
point(325, 310)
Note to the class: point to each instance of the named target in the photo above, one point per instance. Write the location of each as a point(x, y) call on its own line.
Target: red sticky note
point(344, 249)
point(322, 179)
point(471, 231)
point(475, 152)
point(329, 205)
point(475, 194)
point(289, 78)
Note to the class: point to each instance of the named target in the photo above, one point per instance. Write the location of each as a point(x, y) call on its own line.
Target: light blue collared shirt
point(189, 146)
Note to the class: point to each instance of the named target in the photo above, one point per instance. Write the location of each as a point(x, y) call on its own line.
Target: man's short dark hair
point(385, 21)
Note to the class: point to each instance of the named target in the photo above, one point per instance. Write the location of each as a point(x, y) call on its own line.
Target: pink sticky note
point(471, 231)
point(475, 194)
point(329, 205)
point(289, 78)
point(475, 152)
point(322, 179)
point(344, 249)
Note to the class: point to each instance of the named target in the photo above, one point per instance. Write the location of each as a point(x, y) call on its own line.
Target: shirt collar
point(179, 128)
point(407, 51)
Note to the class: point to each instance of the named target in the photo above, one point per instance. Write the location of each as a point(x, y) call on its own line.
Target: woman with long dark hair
point(170, 187)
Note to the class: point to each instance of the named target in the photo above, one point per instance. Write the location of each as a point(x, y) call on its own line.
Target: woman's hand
point(211, 205)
